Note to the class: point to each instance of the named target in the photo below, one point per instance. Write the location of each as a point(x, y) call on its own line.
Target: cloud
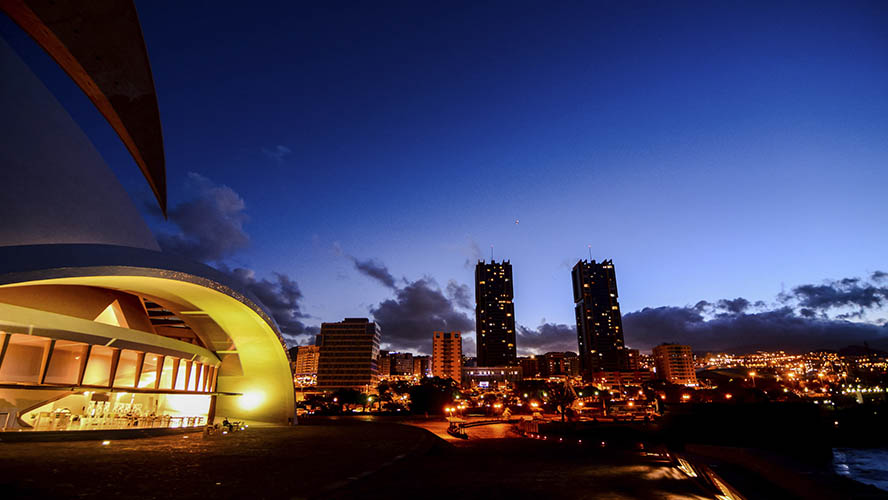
point(277, 153)
point(734, 306)
point(843, 293)
point(283, 299)
point(415, 312)
point(808, 317)
point(469, 347)
point(547, 337)
point(879, 276)
point(376, 270)
point(474, 252)
point(776, 329)
point(460, 294)
point(209, 227)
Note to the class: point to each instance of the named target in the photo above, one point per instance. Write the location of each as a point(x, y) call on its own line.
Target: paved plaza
point(286, 462)
point(336, 459)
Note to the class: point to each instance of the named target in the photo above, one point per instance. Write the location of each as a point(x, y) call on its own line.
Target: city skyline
point(250, 251)
point(740, 171)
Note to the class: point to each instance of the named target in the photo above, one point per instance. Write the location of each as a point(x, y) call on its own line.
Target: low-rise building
point(401, 363)
point(675, 364)
point(422, 366)
point(490, 377)
point(617, 381)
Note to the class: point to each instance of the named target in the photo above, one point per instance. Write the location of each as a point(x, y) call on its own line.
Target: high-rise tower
point(495, 314)
point(599, 324)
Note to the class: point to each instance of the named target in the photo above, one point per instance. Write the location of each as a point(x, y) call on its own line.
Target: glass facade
point(119, 410)
point(23, 358)
point(40, 361)
point(98, 366)
point(64, 365)
point(121, 388)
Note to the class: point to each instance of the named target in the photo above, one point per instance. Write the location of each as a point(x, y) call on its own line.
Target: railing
point(63, 422)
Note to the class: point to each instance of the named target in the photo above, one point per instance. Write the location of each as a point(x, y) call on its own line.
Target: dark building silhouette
point(599, 324)
point(530, 366)
point(495, 314)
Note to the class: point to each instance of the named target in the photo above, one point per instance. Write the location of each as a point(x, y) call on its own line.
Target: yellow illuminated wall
point(255, 366)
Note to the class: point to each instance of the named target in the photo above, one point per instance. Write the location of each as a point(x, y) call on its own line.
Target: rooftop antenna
point(590, 252)
point(491, 254)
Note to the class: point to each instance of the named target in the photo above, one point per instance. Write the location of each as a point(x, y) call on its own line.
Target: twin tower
point(599, 323)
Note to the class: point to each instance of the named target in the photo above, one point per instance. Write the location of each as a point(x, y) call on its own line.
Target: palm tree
point(562, 396)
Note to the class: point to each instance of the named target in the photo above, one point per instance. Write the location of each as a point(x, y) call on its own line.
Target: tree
point(562, 396)
point(346, 398)
point(431, 395)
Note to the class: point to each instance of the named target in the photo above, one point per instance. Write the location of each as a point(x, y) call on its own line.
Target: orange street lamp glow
point(729, 396)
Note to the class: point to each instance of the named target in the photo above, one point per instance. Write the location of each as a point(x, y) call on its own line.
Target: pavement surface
point(339, 458)
point(495, 463)
point(304, 461)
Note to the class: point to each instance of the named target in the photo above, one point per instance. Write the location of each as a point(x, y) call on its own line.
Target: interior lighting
point(106, 443)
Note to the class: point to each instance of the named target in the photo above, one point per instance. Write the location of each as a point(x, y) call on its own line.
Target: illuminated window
point(24, 358)
point(126, 369)
point(148, 377)
point(166, 374)
point(64, 366)
point(98, 367)
point(182, 374)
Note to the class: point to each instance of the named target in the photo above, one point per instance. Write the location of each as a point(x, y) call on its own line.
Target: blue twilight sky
point(711, 149)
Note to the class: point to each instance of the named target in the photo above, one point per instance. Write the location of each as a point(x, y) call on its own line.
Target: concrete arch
point(254, 380)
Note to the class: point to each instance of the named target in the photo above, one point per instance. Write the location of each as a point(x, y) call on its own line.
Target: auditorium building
point(99, 329)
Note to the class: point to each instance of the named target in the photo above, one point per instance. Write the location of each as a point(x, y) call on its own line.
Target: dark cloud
point(734, 306)
point(545, 338)
point(210, 230)
point(843, 293)
point(461, 294)
point(809, 317)
point(376, 270)
point(210, 227)
point(283, 299)
point(417, 310)
point(879, 276)
point(780, 328)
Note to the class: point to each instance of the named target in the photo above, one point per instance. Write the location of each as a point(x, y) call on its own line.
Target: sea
point(866, 465)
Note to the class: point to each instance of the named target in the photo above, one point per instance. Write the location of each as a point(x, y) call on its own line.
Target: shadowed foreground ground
point(287, 462)
point(334, 459)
